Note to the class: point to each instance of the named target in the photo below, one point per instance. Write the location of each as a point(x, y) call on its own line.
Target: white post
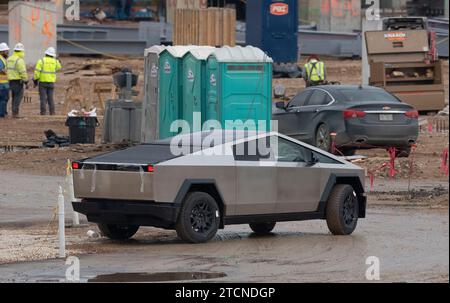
point(69, 176)
point(61, 224)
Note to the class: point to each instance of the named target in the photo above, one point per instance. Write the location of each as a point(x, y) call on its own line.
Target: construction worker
point(17, 76)
point(314, 71)
point(45, 77)
point(4, 84)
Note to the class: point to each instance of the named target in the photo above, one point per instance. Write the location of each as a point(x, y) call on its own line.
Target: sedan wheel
point(323, 138)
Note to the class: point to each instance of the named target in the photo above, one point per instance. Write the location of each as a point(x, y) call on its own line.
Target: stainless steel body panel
point(256, 188)
point(298, 187)
point(105, 184)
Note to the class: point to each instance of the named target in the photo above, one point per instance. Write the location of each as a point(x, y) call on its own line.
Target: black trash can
point(82, 129)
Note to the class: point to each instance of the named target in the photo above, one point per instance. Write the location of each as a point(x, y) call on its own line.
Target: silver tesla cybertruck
point(198, 183)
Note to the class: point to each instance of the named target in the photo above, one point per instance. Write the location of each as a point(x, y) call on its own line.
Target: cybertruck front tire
point(342, 210)
point(199, 218)
point(117, 231)
point(262, 228)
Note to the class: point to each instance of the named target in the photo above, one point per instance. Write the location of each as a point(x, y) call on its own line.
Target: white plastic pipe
point(61, 224)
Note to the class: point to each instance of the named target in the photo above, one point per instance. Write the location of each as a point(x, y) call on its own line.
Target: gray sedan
point(355, 117)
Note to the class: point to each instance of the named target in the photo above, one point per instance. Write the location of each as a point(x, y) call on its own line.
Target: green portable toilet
point(239, 86)
point(149, 127)
point(194, 85)
point(170, 88)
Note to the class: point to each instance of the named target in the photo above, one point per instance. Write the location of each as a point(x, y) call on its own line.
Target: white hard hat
point(4, 47)
point(50, 52)
point(19, 47)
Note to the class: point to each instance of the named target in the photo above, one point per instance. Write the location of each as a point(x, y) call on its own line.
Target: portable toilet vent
point(239, 88)
point(149, 128)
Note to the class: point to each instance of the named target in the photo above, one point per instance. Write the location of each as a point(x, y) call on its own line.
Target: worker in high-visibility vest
point(314, 72)
point(17, 76)
point(4, 84)
point(45, 78)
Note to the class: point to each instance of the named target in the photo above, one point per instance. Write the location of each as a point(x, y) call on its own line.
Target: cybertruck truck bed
point(121, 174)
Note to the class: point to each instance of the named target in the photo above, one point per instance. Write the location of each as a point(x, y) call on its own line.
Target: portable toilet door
point(170, 88)
point(194, 82)
point(212, 110)
point(150, 117)
point(240, 88)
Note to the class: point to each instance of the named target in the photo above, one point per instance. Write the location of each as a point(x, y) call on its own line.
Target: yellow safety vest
point(4, 71)
point(17, 70)
point(315, 70)
point(46, 69)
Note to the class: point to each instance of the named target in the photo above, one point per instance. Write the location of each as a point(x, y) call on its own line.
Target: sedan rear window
point(366, 95)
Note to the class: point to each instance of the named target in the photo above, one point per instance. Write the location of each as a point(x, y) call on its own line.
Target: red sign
point(279, 9)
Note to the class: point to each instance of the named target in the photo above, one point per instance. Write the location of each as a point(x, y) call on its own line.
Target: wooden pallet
point(211, 26)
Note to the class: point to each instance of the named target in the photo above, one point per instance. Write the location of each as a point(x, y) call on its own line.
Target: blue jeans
point(4, 96)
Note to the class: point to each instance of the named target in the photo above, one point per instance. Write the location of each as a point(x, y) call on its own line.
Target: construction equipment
point(403, 60)
point(273, 27)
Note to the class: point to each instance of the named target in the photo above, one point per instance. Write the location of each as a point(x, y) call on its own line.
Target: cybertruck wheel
point(262, 228)
point(199, 218)
point(323, 138)
point(342, 210)
point(117, 231)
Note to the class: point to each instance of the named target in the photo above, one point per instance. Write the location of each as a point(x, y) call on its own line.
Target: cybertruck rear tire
point(342, 210)
point(199, 218)
point(117, 231)
point(262, 228)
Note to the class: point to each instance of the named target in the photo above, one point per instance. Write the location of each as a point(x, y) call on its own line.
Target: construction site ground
point(406, 227)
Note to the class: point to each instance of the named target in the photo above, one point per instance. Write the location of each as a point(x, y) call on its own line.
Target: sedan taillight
point(413, 114)
point(349, 113)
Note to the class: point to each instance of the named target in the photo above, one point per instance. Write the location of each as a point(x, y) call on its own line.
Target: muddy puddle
point(156, 277)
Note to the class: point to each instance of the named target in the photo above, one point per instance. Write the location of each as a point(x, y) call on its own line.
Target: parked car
point(219, 183)
point(360, 117)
